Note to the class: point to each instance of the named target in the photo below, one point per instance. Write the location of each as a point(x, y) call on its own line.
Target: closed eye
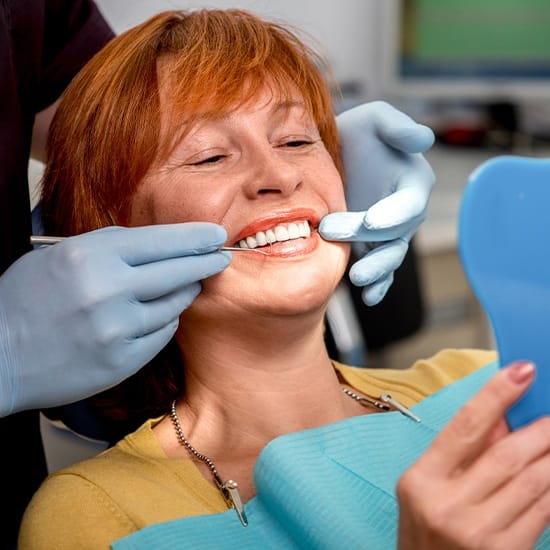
point(209, 160)
point(298, 143)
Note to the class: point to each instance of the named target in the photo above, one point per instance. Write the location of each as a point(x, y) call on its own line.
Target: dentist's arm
point(80, 316)
point(388, 185)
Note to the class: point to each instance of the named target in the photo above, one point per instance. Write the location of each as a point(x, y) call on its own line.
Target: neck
point(277, 379)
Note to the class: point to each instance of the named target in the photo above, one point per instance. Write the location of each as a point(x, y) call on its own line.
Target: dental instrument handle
point(45, 239)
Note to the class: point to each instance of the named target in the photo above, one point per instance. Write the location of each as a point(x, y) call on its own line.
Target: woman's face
point(263, 173)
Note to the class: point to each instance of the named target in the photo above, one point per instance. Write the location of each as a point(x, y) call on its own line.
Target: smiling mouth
point(279, 233)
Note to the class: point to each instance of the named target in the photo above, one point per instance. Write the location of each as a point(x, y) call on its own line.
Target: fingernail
point(521, 371)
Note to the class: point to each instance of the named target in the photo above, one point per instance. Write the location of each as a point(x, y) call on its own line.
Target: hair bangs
point(218, 60)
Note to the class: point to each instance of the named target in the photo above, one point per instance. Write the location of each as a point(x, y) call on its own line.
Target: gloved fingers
point(408, 202)
point(380, 261)
point(398, 213)
point(373, 294)
point(388, 124)
point(139, 351)
point(130, 333)
point(399, 130)
point(341, 226)
point(141, 245)
point(351, 226)
point(128, 324)
point(147, 346)
point(162, 278)
point(154, 315)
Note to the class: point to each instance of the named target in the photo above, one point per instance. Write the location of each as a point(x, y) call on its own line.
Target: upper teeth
point(279, 233)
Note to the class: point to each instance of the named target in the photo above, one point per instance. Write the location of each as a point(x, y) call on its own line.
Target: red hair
point(106, 134)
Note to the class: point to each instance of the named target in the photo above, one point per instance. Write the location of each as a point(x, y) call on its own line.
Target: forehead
point(182, 97)
point(178, 116)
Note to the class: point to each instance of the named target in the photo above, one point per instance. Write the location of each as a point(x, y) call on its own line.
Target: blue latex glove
point(80, 316)
point(388, 185)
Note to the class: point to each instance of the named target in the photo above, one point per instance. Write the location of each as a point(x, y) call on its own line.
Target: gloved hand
point(388, 184)
point(80, 316)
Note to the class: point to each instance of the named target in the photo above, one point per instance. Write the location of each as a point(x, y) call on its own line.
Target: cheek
point(164, 201)
point(152, 210)
point(337, 198)
point(330, 186)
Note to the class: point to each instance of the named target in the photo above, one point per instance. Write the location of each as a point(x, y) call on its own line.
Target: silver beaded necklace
point(230, 489)
point(386, 403)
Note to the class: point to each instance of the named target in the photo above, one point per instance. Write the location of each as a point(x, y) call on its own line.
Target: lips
point(279, 233)
point(277, 228)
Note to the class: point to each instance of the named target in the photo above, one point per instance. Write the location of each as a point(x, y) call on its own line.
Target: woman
point(223, 118)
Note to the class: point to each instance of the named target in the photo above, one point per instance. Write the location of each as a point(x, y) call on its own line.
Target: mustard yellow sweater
point(134, 484)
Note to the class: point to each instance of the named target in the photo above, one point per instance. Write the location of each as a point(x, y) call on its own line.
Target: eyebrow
point(283, 105)
point(288, 104)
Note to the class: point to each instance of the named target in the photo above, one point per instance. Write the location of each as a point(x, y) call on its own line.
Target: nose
point(272, 173)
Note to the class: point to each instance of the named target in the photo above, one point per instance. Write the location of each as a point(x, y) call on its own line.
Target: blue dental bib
point(331, 487)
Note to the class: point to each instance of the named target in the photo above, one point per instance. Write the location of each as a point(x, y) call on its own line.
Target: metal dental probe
point(44, 239)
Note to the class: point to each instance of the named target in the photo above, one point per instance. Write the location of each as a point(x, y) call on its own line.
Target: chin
point(301, 304)
point(285, 287)
point(288, 288)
